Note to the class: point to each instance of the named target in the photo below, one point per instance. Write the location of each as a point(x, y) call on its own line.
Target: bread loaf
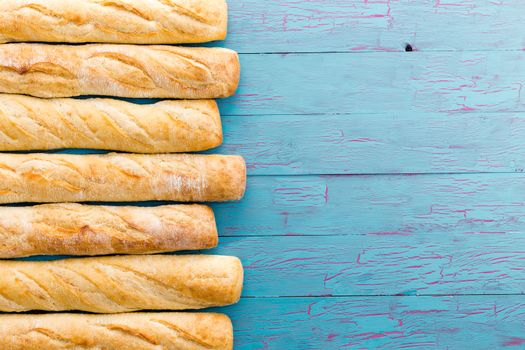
point(29, 123)
point(75, 229)
point(118, 70)
point(136, 331)
point(115, 21)
point(120, 283)
point(117, 177)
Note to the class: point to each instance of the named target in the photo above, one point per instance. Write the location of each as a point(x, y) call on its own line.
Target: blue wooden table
point(386, 198)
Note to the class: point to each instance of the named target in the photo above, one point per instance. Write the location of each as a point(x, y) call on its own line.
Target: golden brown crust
point(29, 123)
point(135, 331)
point(75, 229)
point(51, 178)
point(121, 283)
point(118, 70)
point(113, 21)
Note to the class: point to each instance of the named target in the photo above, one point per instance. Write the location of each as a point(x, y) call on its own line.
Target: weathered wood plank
point(448, 82)
point(484, 323)
point(383, 263)
point(428, 205)
point(372, 144)
point(383, 25)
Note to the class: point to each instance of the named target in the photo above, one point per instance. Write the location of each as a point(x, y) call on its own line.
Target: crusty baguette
point(135, 331)
point(115, 21)
point(121, 283)
point(118, 70)
point(75, 229)
point(48, 178)
point(30, 123)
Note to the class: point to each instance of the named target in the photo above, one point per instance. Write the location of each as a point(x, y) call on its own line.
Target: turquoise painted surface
point(437, 322)
point(388, 205)
point(375, 25)
point(386, 199)
point(383, 143)
point(385, 206)
point(379, 82)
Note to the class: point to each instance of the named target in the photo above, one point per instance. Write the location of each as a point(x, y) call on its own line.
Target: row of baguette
point(118, 70)
point(115, 285)
point(113, 21)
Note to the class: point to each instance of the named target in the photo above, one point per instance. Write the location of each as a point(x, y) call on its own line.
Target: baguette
point(135, 331)
point(121, 283)
point(118, 70)
point(117, 177)
point(116, 21)
point(29, 123)
point(75, 229)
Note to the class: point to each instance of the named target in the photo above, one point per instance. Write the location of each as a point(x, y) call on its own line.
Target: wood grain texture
point(120, 284)
point(377, 235)
point(29, 123)
point(379, 25)
point(440, 322)
point(371, 110)
point(402, 142)
point(132, 331)
point(75, 229)
point(152, 71)
point(381, 264)
point(379, 82)
point(387, 205)
point(115, 21)
point(114, 177)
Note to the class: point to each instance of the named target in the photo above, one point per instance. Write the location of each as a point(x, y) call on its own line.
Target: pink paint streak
point(464, 108)
point(285, 22)
point(331, 336)
point(373, 48)
point(328, 278)
point(253, 264)
point(514, 341)
point(370, 335)
point(422, 312)
point(364, 139)
point(376, 15)
point(309, 311)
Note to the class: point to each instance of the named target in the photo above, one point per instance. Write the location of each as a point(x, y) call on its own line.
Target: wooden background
point(386, 196)
point(386, 200)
